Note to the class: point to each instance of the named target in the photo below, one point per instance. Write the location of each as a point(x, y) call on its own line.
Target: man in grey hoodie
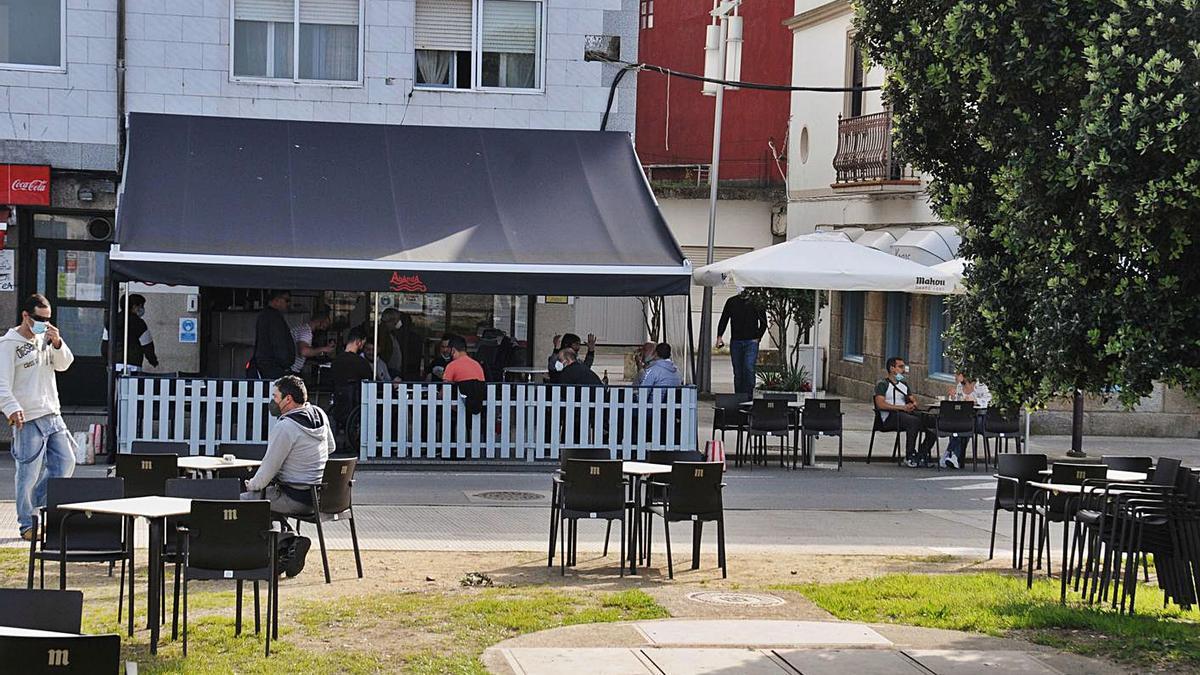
point(298, 445)
point(662, 371)
point(30, 356)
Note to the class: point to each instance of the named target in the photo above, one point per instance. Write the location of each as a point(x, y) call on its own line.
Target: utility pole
point(722, 61)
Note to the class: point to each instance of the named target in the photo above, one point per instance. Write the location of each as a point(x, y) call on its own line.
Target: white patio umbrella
point(953, 269)
point(824, 261)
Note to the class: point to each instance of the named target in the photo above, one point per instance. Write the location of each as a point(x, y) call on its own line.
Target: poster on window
point(410, 303)
point(7, 282)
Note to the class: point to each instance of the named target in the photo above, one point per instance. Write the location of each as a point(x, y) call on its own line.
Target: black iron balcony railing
point(865, 153)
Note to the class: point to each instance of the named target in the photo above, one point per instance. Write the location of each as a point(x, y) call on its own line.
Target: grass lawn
point(999, 604)
point(365, 630)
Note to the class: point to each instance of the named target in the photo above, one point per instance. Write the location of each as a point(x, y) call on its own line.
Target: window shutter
point(330, 12)
point(510, 26)
point(443, 25)
point(263, 10)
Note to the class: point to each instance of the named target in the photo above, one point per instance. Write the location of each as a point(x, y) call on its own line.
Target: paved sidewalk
point(762, 647)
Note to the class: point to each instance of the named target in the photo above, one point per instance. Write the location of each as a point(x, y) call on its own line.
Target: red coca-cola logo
point(24, 184)
point(407, 284)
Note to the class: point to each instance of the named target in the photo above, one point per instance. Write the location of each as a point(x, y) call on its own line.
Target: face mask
point(900, 377)
point(558, 365)
point(39, 327)
point(140, 311)
point(273, 408)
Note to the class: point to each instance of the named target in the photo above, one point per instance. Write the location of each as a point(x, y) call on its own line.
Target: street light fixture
point(722, 61)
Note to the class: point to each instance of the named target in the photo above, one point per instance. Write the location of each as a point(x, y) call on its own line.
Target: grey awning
point(244, 202)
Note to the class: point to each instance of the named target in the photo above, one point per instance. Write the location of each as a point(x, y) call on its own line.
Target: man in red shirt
point(462, 368)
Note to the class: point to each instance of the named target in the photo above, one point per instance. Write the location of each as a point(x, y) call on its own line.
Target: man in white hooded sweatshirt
point(30, 355)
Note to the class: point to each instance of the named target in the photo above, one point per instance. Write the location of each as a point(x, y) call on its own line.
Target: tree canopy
point(1062, 136)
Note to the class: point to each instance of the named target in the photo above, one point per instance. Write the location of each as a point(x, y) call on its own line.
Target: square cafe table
point(639, 471)
point(205, 464)
point(155, 510)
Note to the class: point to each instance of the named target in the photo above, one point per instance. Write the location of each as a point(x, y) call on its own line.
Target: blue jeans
point(744, 354)
point(42, 450)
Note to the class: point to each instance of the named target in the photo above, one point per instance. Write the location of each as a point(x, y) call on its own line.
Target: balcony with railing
point(866, 159)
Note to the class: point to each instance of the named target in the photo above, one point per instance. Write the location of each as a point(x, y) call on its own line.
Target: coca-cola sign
point(24, 184)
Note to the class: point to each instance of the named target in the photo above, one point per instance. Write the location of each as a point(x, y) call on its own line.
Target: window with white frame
point(298, 40)
point(478, 44)
point(646, 14)
point(31, 33)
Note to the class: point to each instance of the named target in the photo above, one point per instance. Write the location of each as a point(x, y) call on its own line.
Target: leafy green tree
point(785, 308)
point(1062, 136)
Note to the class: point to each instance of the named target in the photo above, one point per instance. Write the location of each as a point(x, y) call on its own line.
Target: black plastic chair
point(590, 489)
point(232, 539)
point(243, 450)
point(768, 417)
point(564, 455)
point(956, 419)
point(177, 448)
point(333, 499)
point(672, 456)
point(69, 655)
point(877, 424)
point(729, 415)
point(1061, 508)
point(1013, 473)
point(1123, 463)
point(693, 493)
point(59, 611)
point(100, 538)
point(189, 488)
point(147, 475)
point(821, 417)
point(1001, 425)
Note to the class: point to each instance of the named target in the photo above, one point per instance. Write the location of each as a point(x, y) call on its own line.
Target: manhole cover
point(738, 599)
point(508, 496)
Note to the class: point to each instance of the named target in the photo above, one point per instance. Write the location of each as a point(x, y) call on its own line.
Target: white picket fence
point(524, 422)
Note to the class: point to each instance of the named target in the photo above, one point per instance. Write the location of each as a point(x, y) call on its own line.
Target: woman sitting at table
point(964, 389)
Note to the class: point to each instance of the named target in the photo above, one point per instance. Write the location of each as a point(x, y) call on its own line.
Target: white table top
point(1065, 488)
point(526, 370)
point(791, 404)
point(145, 507)
point(1115, 475)
point(644, 468)
point(14, 631)
point(205, 463)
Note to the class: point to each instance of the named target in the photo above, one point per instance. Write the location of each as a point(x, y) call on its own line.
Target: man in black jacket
point(749, 325)
point(573, 370)
point(274, 350)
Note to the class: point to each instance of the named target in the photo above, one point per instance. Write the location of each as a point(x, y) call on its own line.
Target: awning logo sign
point(407, 284)
point(931, 284)
point(24, 184)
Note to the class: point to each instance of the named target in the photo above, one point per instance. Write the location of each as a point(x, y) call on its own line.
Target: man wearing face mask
point(141, 342)
point(573, 371)
point(30, 355)
point(897, 408)
point(298, 445)
point(274, 348)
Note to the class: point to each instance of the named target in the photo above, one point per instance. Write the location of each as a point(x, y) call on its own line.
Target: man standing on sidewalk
point(749, 325)
point(30, 355)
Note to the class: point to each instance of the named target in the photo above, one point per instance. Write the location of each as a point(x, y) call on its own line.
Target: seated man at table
point(964, 389)
point(897, 409)
point(298, 445)
point(571, 370)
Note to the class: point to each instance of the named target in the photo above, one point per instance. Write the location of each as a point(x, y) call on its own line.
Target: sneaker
point(27, 535)
point(911, 463)
point(298, 553)
point(953, 461)
point(942, 462)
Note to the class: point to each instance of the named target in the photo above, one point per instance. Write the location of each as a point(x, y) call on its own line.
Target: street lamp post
point(722, 61)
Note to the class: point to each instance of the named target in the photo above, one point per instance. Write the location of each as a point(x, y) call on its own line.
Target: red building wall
point(751, 118)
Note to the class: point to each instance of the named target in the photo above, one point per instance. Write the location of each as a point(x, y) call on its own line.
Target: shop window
point(939, 320)
point(328, 48)
point(501, 39)
point(896, 337)
point(853, 305)
point(31, 34)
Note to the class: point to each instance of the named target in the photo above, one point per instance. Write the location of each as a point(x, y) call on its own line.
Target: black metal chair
point(692, 493)
point(232, 539)
point(333, 499)
point(1013, 473)
point(821, 417)
point(68, 655)
point(147, 475)
point(100, 538)
point(590, 489)
point(729, 415)
point(956, 419)
point(1060, 508)
point(177, 448)
point(1001, 425)
point(877, 424)
point(59, 611)
point(1123, 463)
point(218, 488)
point(564, 455)
point(768, 417)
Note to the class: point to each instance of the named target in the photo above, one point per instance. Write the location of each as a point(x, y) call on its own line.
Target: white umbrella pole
point(816, 338)
point(125, 335)
point(375, 340)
